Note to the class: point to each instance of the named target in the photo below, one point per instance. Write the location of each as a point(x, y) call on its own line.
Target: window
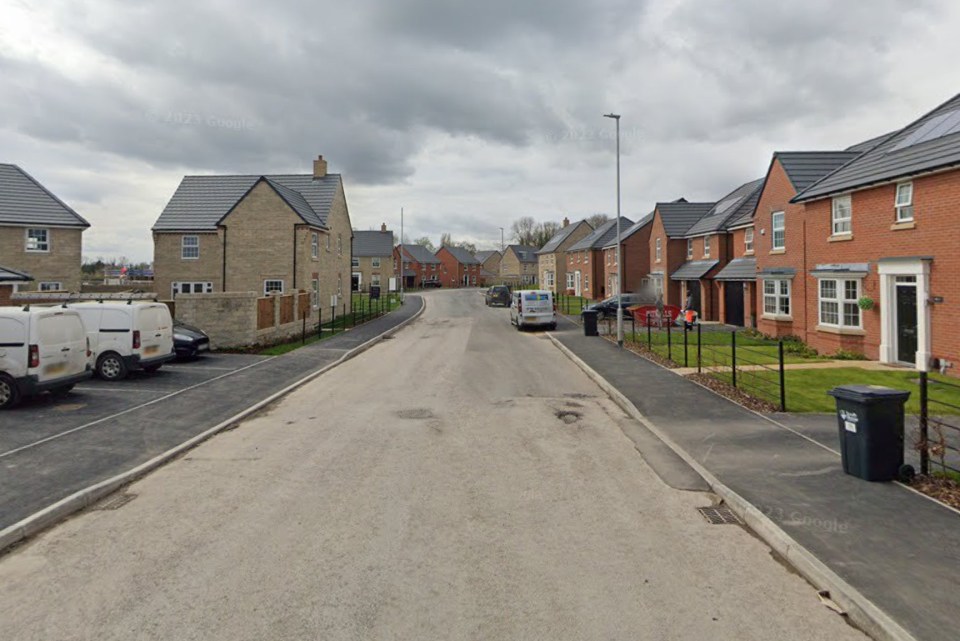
point(689, 249)
point(190, 247)
point(778, 221)
point(272, 286)
point(375, 262)
point(748, 241)
point(904, 202)
point(842, 216)
point(570, 284)
point(38, 240)
point(315, 293)
point(586, 281)
point(339, 285)
point(706, 247)
point(192, 288)
point(548, 278)
point(838, 303)
point(776, 297)
point(51, 286)
point(354, 262)
point(328, 242)
point(658, 252)
point(340, 244)
point(375, 280)
point(314, 245)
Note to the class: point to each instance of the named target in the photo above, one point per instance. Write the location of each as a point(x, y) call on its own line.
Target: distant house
point(489, 266)
point(40, 235)
point(420, 266)
point(519, 265)
point(585, 270)
point(552, 257)
point(459, 267)
point(635, 254)
point(261, 233)
point(669, 250)
point(372, 259)
point(11, 281)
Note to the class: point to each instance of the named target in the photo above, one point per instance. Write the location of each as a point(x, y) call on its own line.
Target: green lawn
point(717, 349)
point(807, 389)
point(571, 305)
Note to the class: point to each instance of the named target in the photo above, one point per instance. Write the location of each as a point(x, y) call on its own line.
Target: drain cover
point(719, 515)
point(115, 502)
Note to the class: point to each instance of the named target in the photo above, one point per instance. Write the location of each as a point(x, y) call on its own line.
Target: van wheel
point(110, 367)
point(9, 394)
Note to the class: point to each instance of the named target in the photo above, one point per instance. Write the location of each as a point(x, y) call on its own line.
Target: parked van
point(127, 336)
point(533, 308)
point(43, 349)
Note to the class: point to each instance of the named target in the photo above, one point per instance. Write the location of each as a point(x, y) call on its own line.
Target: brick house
point(372, 259)
point(708, 250)
point(552, 257)
point(668, 246)
point(40, 236)
point(259, 233)
point(459, 268)
point(11, 281)
point(489, 266)
point(779, 226)
point(420, 265)
point(881, 230)
point(737, 280)
point(585, 268)
point(519, 265)
point(635, 253)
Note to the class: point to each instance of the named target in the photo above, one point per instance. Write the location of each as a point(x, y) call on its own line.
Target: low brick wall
point(240, 319)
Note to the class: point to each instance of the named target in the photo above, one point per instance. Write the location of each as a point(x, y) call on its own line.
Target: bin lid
point(868, 393)
point(590, 312)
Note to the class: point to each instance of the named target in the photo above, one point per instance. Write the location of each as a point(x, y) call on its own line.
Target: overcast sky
point(467, 114)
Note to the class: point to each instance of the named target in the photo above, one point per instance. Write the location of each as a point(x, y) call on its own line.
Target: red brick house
point(635, 253)
point(458, 267)
point(420, 265)
point(668, 245)
point(585, 266)
point(881, 231)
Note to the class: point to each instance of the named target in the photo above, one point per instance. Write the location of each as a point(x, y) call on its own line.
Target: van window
point(55, 330)
point(154, 317)
point(113, 320)
point(12, 332)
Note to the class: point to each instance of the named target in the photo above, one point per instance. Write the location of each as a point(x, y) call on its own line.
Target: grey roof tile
point(678, 217)
point(420, 254)
point(804, 168)
point(867, 145)
point(630, 231)
point(561, 236)
point(24, 201)
point(738, 269)
point(372, 243)
point(200, 202)
point(726, 209)
point(7, 275)
point(462, 255)
point(895, 157)
point(525, 253)
point(603, 235)
point(483, 255)
point(694, 270)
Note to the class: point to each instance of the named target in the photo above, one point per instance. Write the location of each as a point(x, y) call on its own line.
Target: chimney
point(383, 226)
point(566, 221)
point(319, 167)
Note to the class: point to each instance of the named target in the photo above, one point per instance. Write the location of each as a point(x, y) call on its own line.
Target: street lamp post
point(402, 270)
point(501, 238)
point(616, 118)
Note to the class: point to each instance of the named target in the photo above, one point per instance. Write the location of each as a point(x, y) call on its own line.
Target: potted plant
point(865, 303)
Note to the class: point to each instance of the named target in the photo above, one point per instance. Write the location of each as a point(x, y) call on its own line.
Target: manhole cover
point(115, 502)
point(719, 515)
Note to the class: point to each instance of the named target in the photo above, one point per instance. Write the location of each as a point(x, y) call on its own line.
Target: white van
point(41, 349)
point(127, 335)
point(533, 308)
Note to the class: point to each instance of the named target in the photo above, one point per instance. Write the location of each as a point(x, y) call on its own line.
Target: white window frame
point(841, 300)
point(689, 249)
point(659, 249)
point(570, 281)
point(355, 261)
point(315, 293)
point(176, 286)
point(328, 241)
point(339, 286)
point(268, 289)
point(774, 228)
point(706, 247)
point(184, 246)
point(375, 280)
point(375, 262)
point(548, 278)
point(841, 216)
point(314, 245)
point(51, 286)
point(33, 244)
point(776, 303)
point(339, 244)
point(904, 206)
point(748, 241)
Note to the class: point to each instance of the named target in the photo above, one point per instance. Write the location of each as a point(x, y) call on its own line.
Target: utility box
point(590, 322)
point(870, 420)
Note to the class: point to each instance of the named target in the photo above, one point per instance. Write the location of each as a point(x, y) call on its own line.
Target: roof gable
point(372, 243)
point(7, 275)
point(524, 253)
point(727, 208)
point(24, 201)
point(631, 230)
point(678, 217)
point(558, 239)
point(604, 234)
point(803, 168)
point(419, 254)
point(461, 255)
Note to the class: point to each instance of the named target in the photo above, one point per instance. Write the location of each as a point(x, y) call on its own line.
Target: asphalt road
point(462, 481)
point(50, 448)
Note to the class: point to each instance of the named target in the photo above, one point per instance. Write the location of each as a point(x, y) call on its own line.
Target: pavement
point(896, 552)
point(51, 449)
point(461, 481)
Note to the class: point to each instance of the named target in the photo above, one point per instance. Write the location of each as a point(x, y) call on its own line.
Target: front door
point(733, 302)
point(577, 283)
point(907, 319)
point(692, 301)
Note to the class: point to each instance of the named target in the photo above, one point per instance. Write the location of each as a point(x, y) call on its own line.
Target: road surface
point(461, 481)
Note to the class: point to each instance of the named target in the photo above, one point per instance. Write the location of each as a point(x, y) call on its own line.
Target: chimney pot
point(319, 167)
point(383, 226)
point(566, 221)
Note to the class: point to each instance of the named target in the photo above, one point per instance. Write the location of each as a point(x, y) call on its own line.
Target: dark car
point(497, 295)
point(430, 283)
point(608, 306)
point(189, 341)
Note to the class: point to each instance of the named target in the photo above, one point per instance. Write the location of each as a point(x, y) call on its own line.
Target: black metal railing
point(939, 426)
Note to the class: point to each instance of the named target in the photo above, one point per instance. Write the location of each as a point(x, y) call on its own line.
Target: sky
point(466, 114)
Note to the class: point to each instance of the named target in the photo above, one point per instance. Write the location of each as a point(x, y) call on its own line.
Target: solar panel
point(727, 204)
point(937, 127)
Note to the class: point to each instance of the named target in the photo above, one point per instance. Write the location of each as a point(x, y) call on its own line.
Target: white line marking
point(103, 388)
point(210, 367)
point(127, 411)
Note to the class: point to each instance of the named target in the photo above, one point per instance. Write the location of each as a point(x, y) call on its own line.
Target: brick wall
point(169, 267)
point(231, 318)
point(60, 264)
point(367, 270)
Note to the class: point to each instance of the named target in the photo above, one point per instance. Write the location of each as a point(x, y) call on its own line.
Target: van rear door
point(537, 303)
point(61, 343)
point(156, 330)
point(13, 346)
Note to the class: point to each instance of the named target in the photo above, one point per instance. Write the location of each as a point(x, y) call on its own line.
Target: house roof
point(603, 235)
point(804, 168)
point(461, 255)
point(726, 209)
point(372, 243)
point(201, 202)
point(744, 214)
point(930, 143)
point(524, 253)
point(483, 255)
point(738, 269)
point(630, 231)
point(867, 145)
point(678, 217)
point(694, 270)
point(420, 254)
point(7, 275)
point(24, 201)
point(561, 236)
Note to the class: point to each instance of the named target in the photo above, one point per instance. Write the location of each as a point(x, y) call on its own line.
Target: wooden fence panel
point(303, 305)
point(286, 309)
point(264, 313)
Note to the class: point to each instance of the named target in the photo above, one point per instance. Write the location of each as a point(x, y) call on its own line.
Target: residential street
point(460, 481)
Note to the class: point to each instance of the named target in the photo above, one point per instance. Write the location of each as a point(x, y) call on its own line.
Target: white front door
point(904, 312)
point(577, 283)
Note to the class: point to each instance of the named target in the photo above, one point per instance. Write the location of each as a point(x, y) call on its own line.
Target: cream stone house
point(552, 257)
point(260, 233)
point(373, 259)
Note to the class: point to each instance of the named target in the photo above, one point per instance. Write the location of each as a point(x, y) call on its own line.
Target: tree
point(523, 230)
point(446, 240)
point(546, 231)
point(424, 241)
point(597, 219)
